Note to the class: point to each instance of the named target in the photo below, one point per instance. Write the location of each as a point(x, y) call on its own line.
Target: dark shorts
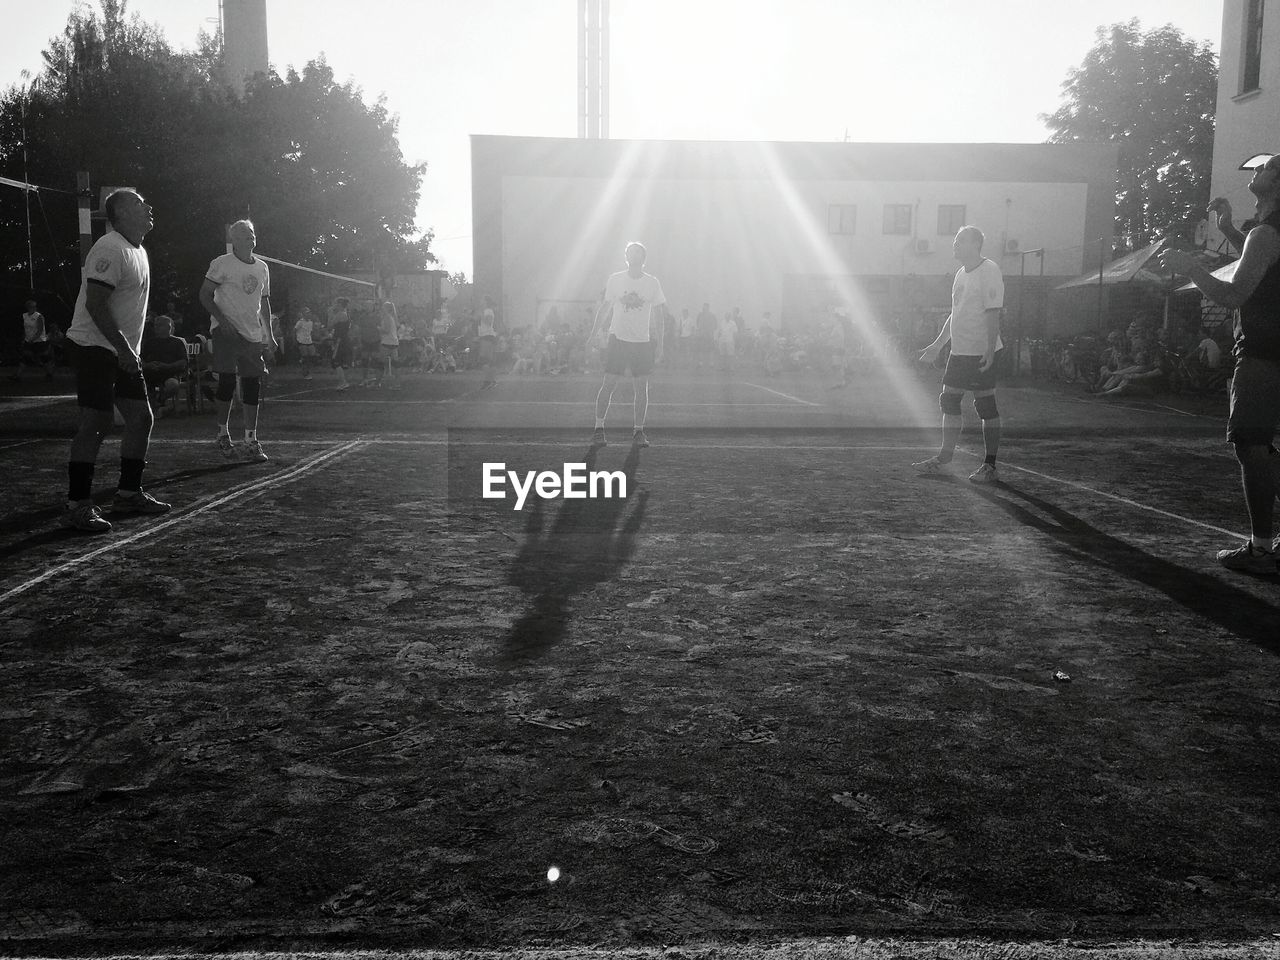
point(342, 354)
point(624, 355)
point(1255, 402)
point(306, 349)
point(232, 353)
point(962, 372)
point(487, 346)
point(99, 380)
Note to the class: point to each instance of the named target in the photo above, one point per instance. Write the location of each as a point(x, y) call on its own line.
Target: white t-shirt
point(33, 329)
point(488, 324)
point(687, 325)
point(117, 264)
point(633, 300)
point(390, 335)
point(302, 331)
point(972, 294)
point(1211, 352)
point(241, 287)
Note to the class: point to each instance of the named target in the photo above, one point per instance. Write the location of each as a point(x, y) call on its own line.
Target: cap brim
point(1257, 160)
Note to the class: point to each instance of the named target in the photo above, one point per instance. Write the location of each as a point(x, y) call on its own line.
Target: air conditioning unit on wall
point(923, 245)
point(1011, 246)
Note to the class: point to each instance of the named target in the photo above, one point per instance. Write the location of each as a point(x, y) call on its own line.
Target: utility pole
point(593, 69)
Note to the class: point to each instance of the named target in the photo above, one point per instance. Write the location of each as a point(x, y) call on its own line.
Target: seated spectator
point(1144, 377)
point(1115, 356)
point(164, 361)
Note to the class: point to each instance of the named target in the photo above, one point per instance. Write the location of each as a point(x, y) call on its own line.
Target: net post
point(84, 207)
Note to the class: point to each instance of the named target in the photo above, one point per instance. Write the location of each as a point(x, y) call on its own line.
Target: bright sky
point(910, 70)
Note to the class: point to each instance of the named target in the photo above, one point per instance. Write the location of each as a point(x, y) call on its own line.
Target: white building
point(789, 228)
point(1248, 110)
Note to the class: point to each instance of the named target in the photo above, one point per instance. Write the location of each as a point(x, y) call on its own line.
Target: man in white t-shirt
point(236, 292)
point(632, 313)
point(37, 350)
point(977, 297)
point(302, 336)
point(104, 345)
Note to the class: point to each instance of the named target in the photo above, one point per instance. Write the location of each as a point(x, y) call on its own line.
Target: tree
point(318, 169)
point(1153, 93)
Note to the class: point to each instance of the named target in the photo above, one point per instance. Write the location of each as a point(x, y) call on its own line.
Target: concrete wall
point(746, 224)
point(1247, 122)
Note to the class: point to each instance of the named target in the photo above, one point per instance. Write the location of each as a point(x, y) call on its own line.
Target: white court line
point(237, 493)
point(544, 403)
point(759, 386)
point(17, 404)
point(20, 443)
point(1111, 496)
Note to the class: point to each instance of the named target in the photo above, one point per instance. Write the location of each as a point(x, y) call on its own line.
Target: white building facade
point(792, 229)
point(1248, 111)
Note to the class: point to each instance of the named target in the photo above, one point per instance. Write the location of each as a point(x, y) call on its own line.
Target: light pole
point(27, 87)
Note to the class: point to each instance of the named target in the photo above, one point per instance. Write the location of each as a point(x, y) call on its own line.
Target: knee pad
point(986, 407)
point(226, 387)
point(250, 388)
point(949, 403)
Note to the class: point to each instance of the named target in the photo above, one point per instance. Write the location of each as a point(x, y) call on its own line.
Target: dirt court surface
point(785, 688)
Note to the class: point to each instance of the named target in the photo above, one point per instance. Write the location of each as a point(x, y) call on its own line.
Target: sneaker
point(86, 518)
point(343, 386)
point(984, 474)
point(1249, 559)
point(253, 452)
point(933, 467)
point(226, 447)
point(597, 438)
point(306, 376)
point(638, 439)
point(137, 501)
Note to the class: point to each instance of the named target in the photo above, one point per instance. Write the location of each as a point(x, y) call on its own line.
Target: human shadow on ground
point(1242, 613)
point(588, 543)
point(37, 520)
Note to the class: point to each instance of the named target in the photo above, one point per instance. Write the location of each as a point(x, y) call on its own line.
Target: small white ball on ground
point(553, 875)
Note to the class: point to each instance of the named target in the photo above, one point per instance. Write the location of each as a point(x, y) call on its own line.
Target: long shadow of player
point(590, 541)
point(1243, 614)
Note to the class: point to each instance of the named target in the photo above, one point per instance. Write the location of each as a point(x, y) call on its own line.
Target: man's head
point(30, 305)
point(163, 326)
point(128, 214)
point(1265, 184)
point(306, 313)
point(243, 238)
point(968, 243)
point(635, 254)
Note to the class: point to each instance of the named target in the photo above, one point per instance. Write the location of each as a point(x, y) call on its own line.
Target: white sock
point(599, 423)
point(250, 436)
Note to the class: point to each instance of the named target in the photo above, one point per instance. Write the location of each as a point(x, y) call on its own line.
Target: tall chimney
point(244, 40)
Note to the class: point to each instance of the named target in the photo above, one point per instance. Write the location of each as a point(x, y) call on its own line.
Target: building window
point(1252, 73)
point(842, 218)
point(950, 218)
point(897, 218)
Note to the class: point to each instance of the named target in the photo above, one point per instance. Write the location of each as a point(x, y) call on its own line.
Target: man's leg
point(984, 401)
point(138, 422)
point(952, 422)
point(250, 399)
point(602, 406)
point(1259, 483)
point(639, 408)
point(222, 404)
